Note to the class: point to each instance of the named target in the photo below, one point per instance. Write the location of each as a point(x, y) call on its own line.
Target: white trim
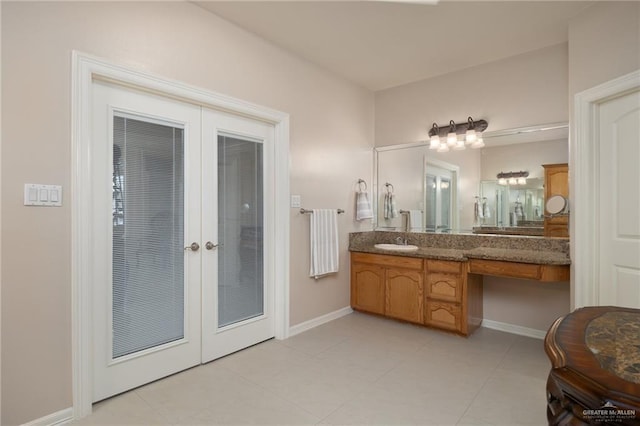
point(58, 418)
point(85, 68)
point(323, 319)
point(583, 178)
point(514, 329)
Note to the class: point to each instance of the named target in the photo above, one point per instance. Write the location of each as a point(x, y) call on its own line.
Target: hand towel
point(386, 205)
point(363, 206)
point(324, 242)
point(389, 204)
point(392, 206)
point(415, 220)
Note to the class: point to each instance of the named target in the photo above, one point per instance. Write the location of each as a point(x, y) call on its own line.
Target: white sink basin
point(396, 247)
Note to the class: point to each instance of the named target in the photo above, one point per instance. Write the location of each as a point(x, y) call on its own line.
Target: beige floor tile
point(380, 406)
point(259, 408)
point(510, 399)
point(123, 410)
point(359, 369)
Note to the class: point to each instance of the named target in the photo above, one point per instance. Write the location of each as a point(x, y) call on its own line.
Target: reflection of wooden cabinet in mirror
point(556, 182)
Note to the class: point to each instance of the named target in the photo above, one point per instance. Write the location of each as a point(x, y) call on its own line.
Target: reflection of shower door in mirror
point(440, 197)
point(179, 222)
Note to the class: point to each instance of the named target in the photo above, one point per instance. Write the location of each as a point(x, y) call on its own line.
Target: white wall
point(520, 91)
point(331, 147)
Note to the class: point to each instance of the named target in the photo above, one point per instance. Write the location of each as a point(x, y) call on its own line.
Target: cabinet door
point(367, 287)
point(447, 287)
point(404, 295)
point(444, 315)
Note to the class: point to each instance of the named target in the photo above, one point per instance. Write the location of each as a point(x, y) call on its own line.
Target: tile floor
point(357, 370)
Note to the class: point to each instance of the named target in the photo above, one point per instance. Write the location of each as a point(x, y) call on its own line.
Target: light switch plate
point(296, 201)
point(36, 194)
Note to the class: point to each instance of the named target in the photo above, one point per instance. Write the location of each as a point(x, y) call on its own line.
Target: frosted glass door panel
point(240, 230)
point(148, 234)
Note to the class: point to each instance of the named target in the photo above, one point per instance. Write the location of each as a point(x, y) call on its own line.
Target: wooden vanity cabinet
point(367, 287)
point(453, 296)
point(435, 293)
point(388, 285)
point(556, 182)
point(404, 294)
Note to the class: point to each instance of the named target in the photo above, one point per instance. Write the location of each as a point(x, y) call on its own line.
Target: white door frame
point(583, 182)
point(86, 68)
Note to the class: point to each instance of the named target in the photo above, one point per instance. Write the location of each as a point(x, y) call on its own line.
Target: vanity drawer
point(447, 287)
point(443, 315)
point(444, 266)
point(387, 260)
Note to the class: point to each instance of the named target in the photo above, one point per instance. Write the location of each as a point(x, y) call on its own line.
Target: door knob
point(193, 247)
point(210, 246)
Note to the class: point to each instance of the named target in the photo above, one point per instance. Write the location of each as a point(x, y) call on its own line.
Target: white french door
point(182, 227)
point(237, 295)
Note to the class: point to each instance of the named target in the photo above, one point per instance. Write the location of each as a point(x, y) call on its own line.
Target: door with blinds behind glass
point(180, 254)
point(237, 284)
point(146, 204)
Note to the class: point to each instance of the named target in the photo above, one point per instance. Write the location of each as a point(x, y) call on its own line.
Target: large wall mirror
point(459, 192)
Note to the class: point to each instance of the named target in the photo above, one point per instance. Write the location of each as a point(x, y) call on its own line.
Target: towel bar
point(305, 211)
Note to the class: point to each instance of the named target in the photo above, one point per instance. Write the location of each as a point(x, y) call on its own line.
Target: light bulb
point(434, 142)
point(470, 136)
point(513, 181)
point(522, 181)
point(452, 138)
point(502, 181)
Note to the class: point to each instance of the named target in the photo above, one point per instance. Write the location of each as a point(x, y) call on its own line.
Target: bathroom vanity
point(440, 284)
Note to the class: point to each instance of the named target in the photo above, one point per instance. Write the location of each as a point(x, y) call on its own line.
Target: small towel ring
point(389, 190)
point(360, 182)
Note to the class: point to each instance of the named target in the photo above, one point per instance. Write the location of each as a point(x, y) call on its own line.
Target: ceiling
point(382, 44)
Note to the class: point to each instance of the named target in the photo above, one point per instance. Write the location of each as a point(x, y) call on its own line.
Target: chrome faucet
point(401, 241)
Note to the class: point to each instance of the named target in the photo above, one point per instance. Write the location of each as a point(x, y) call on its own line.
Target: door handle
point(193, 247)
point(210, 246)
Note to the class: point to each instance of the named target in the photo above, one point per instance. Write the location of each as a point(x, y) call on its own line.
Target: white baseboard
point(59, 418)
point(514, 329)
point(308, 325)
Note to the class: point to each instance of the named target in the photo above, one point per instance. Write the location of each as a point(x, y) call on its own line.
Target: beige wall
point(527, 156)
point(520, 91)
point(331, 144)
point(604, 43)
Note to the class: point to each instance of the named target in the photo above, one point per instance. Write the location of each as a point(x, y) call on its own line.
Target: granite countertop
point(422, 252)
point(523, 256)
point(460, 248)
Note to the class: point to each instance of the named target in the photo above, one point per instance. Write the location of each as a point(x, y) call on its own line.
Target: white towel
point(324, 242)
point(363, 206)
point(415, 220)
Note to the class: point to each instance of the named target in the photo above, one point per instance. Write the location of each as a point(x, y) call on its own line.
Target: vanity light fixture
point(472, 131)
point(512, 178)
point(452, 136)
point(434, 140)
